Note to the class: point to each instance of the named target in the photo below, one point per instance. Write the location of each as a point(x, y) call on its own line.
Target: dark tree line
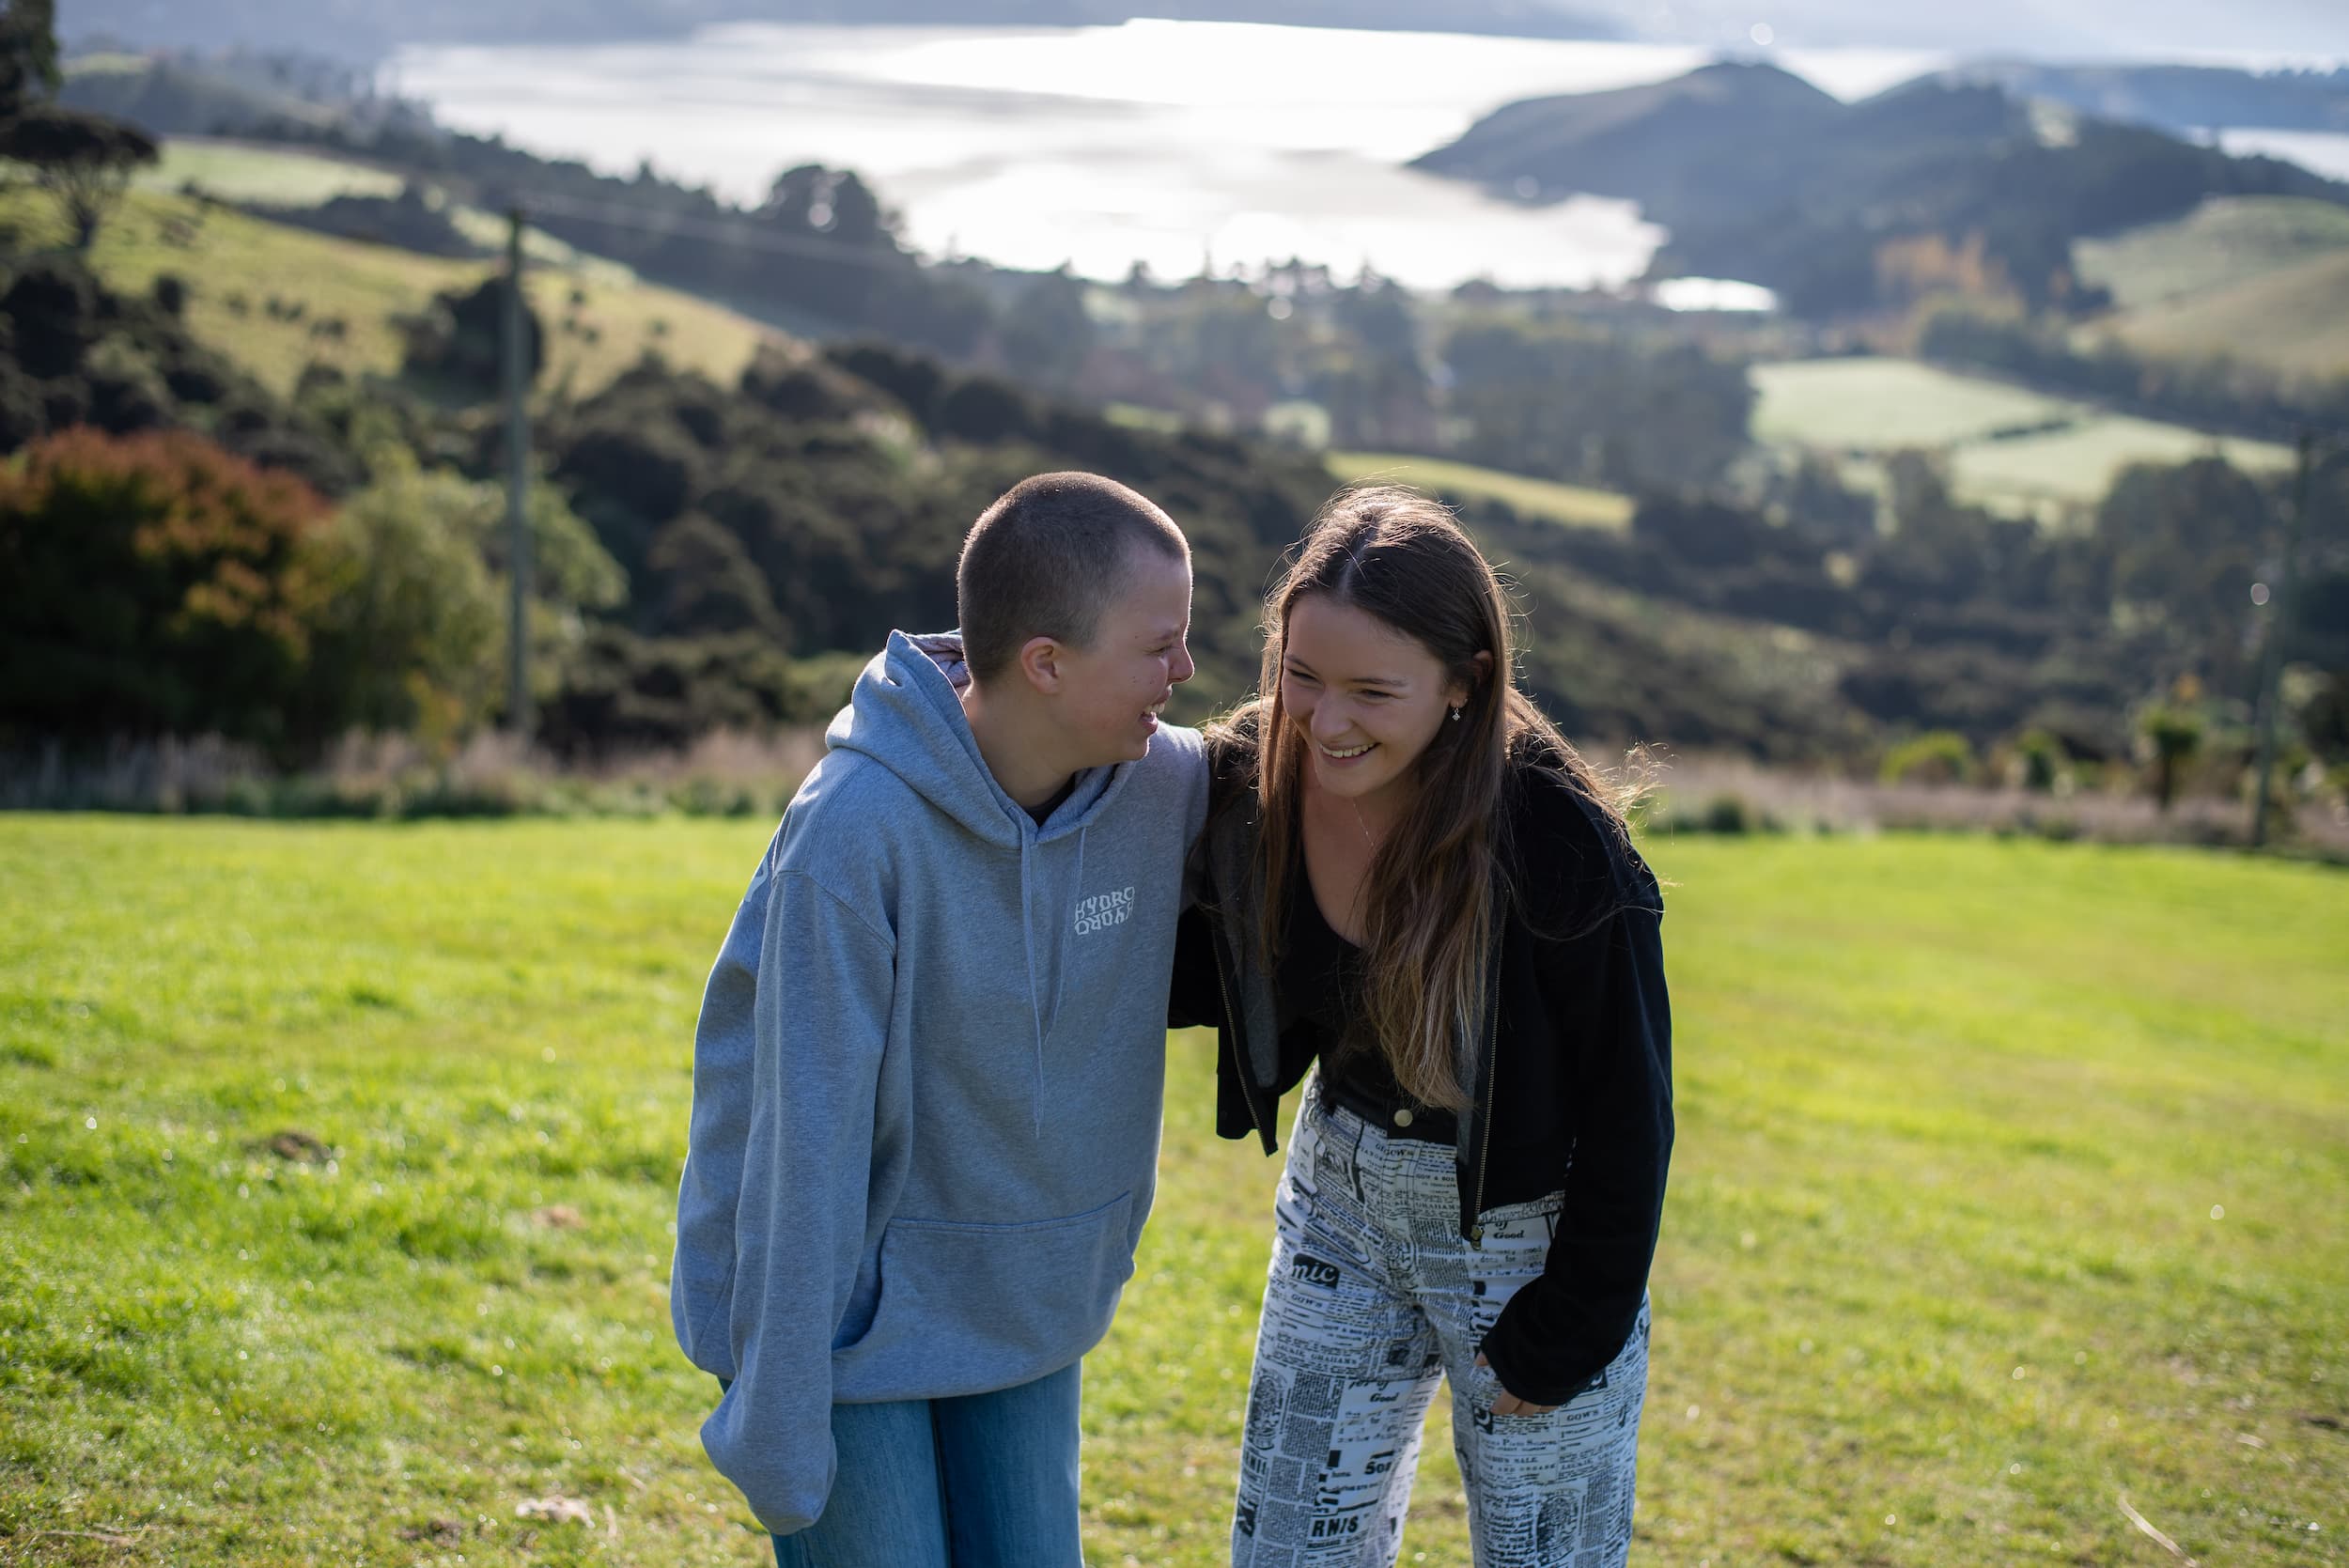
point(727, 555)
point(2212, 394)
point(1571, 403)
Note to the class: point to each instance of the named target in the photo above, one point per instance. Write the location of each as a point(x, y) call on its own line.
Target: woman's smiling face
point(1366, 698)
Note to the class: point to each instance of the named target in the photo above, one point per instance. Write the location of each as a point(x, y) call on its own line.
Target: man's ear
point(1041, 662)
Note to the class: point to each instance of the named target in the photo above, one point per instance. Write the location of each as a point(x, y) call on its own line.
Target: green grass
point(2013, 1181)
point(2007, 446)
point(1575, 505)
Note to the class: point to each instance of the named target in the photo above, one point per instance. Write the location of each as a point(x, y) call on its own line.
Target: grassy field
point(2079, 465)
point(2007, 446)
point(237, 265)
point(1874, 405)
point(2013, 1183)
point(1575, 505)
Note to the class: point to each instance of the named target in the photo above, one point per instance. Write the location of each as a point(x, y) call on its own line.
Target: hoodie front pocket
point(967, 1308)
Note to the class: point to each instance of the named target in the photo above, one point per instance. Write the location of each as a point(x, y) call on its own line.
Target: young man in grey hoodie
point(929, 1065)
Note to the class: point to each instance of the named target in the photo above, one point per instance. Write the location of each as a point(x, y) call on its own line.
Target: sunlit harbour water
point(2318, 151)
point(1168, 143)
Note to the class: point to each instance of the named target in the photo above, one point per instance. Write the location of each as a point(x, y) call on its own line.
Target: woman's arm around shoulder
point(1572, 860)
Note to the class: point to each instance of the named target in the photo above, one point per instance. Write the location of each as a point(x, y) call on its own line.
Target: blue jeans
point(986, 1481)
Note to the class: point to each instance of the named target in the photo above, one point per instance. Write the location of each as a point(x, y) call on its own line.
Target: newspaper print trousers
point(1374, 1298)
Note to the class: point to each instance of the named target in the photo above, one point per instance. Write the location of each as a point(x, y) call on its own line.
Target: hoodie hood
point(906, 714)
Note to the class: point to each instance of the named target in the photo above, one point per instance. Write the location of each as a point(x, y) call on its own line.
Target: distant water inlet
point(1175, 145)
point(2324, 152)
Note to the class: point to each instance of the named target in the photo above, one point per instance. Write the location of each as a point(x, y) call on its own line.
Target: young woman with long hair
point(1411, 878)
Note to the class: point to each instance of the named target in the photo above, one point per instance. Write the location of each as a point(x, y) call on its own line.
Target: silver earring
point(1455, 715)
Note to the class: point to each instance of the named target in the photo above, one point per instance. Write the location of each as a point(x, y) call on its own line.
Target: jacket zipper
point(1492, 1075)
point(1231, 1016)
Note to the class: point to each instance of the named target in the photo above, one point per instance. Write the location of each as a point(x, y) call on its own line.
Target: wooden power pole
point(2272, 646)
point(516, 358)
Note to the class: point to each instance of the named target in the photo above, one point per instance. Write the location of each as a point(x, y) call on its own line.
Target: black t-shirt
point(1043, 814)
point(1321, 981)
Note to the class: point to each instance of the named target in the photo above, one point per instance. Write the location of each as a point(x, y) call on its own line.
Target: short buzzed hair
point(1046, 560)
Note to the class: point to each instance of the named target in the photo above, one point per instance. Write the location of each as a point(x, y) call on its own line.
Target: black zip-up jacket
point(1573, 1081)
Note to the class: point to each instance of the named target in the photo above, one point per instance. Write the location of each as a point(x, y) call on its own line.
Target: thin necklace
point(1362, 888)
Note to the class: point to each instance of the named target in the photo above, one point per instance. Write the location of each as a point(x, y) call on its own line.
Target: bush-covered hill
point(1759, 175)
point(823, 500)
point(80, 353)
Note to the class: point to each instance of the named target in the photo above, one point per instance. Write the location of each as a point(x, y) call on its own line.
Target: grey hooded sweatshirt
point(928, 1079)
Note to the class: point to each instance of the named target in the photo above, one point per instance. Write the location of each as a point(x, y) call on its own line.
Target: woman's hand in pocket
point(1507, 1403)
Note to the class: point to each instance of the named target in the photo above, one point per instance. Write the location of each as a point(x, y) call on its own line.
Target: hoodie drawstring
point(1035, 1008)
point(1060, 980)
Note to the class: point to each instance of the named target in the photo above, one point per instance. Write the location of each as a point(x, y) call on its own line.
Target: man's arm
point(819, 1022)
point(701, 1277)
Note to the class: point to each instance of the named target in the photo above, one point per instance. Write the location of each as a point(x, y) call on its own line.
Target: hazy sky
point(2216, 29)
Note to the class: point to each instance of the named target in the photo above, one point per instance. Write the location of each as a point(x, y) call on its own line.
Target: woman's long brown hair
point(1429, 925)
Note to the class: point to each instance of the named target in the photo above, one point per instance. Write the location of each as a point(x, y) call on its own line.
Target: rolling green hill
point(2264, 283)
point(2291, 319)
point(275, 180)
point(237, 265)
point(2218, 245)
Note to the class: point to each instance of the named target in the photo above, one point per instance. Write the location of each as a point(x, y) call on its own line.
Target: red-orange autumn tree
point(153, 584)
